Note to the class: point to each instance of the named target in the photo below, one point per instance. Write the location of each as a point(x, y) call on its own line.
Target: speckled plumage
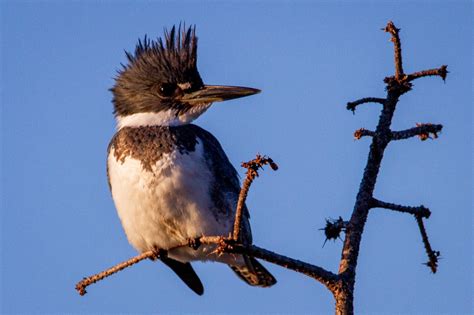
point(172, 184)
point(149, 144)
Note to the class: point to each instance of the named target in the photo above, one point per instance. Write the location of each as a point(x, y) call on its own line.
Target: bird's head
point(160, 84)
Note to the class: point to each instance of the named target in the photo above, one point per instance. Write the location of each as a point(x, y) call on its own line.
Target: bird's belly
point(167, 205)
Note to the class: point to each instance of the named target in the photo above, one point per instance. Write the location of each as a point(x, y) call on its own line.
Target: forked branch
point(421, 211)
point(396, 85)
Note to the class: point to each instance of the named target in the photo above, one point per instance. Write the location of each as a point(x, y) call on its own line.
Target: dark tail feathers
point(186, 273)
point(253, 273)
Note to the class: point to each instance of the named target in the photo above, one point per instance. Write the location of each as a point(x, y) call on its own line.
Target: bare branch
point(84, 283)
point(432, 255)
point(352, 105)
point(397, 85)
point(393, 30)
point(320, 274)
point(362, 132)
point(441, 72)
point(224, 245)
point(252, 171)
point(423, 131)
point(421, 211)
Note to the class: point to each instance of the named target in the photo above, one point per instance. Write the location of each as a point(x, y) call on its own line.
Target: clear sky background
point(309, 58)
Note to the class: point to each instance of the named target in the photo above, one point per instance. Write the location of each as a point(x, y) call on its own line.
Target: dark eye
point(167, 89)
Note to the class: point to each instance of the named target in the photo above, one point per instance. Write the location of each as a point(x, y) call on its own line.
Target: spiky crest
point(172, 60)
point(178, 54)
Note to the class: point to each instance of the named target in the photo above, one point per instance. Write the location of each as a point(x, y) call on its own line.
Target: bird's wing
point(109, 147)
point(227, 182)
point(226, 186)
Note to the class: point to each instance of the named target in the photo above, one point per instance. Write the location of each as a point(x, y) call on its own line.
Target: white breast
point(168, 205)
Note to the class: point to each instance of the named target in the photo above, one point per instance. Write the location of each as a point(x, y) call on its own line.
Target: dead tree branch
point(441, 72)
point(396, 86)
point(329, 279)
point(84, 283)
point(421, 211)
point(397, 45)
point(423, 131)
point(227, 245)
point(352, 105)
point(362, 132)
point(252, 171)
point(432, 254)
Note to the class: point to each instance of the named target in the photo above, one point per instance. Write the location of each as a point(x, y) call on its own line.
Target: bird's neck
point(168, 118)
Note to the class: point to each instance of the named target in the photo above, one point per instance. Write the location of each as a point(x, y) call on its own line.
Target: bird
point(170, 180)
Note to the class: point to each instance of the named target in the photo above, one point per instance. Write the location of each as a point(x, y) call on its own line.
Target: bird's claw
point(194, 243)
point(158, 253)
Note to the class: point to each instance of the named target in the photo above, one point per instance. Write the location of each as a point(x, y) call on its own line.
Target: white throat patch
point(168, 117)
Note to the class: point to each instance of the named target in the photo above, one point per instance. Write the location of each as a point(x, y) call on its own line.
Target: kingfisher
point(171, 181)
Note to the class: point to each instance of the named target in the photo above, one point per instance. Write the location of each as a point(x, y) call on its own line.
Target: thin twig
point(423, 131)
point(227, 245)
point(441, 72)
point(320, 274)
point(84, 283)
point(393, 30)
point(432, 255)
point(352, 105)
point(421, 211)
point(362, 132)
point(252, 171)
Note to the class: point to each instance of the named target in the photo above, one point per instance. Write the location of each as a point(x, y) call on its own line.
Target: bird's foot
point(194, 243)
point(158, 253)
point(225, 245)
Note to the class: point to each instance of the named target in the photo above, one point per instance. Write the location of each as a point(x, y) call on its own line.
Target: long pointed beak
point(218, 93)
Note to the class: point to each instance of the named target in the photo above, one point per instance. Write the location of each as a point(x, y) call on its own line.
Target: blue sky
point(309, 58)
